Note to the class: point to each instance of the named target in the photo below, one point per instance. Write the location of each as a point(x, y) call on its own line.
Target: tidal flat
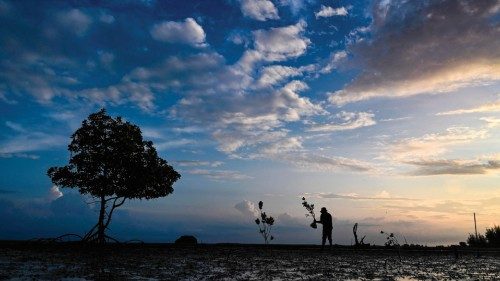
point(28, 261)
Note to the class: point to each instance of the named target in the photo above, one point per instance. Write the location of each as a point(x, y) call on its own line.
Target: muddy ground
point(23, 261)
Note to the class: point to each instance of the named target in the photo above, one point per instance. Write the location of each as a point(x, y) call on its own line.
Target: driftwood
point(355, 232)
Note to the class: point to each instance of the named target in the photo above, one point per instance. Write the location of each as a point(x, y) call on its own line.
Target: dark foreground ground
point(31, 261)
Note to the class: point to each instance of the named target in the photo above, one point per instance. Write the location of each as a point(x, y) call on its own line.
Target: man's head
point(323, 210)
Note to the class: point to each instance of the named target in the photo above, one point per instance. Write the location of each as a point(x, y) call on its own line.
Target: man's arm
point(321, 219)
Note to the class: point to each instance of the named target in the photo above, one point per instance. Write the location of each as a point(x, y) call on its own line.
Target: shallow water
point(238, 263)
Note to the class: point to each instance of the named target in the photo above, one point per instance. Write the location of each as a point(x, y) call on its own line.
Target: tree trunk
point(354, 231)
point(101, 238)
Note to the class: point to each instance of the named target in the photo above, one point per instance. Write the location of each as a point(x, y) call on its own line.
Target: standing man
point(326, 220)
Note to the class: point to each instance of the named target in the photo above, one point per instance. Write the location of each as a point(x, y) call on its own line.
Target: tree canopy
point(110, 161)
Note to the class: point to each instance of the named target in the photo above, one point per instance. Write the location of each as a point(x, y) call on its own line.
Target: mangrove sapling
point(265, 224)
point(310, 210)
point(392, 241)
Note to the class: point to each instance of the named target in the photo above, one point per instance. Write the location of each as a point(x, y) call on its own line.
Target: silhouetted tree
point(477, 241)
point(111, 162)
point(355, 232)
point(265, 224)
point(493, 236)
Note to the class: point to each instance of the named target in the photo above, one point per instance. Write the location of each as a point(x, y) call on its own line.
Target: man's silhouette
point(326, 220)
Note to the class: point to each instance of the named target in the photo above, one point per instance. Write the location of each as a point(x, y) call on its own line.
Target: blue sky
point(386, 112)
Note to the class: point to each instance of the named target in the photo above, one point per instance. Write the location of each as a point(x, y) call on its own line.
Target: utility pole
point(475, 225)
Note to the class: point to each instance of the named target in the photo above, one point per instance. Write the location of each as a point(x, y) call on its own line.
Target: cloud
point(382, 196)
point(106, 58)
point(15, 127)
point(287, 220)
point(317, 162)
point(492, 122)
point(453, 167)
point(431, 145)
point(28, 141)
point(349, 121)
point(415, 49)
point(489, 107)
point(106, 18)
point(75, 21)
point(219, 174)
point(425, 153)
point(327, 12)
point(175, 143)
point(334, 61)
point(464, 207)
point(276, 44)
point(54, 193)
point(247, 208)
point(203, 73)
point(296, 5)
point(261, 10)
point(239, 121)
point(186, 32)
point(272, 75)
point(281, 43)
point(140, 94)
point(39, 75)
point(197, 163)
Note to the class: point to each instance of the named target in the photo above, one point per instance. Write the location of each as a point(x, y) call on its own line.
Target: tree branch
point(113, 209)
point(89, 234)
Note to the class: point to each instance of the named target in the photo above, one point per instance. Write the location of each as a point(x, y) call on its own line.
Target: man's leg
point(323, 240)
point(330, 238)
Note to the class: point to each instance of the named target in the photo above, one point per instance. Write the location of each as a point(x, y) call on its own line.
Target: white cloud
point(296, 5)
point(349, 121)
point(280, 43)
point(75, 20)
point(139, 93)
point(242, 122)
point(315, 162)
point(381, 196)
point(432, 145)
point(170, 144)
point(186, 32)
point(276, 44)
point(15, 127)
point(489, 107)
point(327, 11)
point(272, 75)
point(247, 208)
point(334, 61)
point(261, 10)
point(198, 163)
point(28, 141)
point(284, 145)
point(220, 174)
point(54, 193)
point(491, 121)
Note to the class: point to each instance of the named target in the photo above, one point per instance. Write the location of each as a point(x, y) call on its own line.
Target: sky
point(385, 112)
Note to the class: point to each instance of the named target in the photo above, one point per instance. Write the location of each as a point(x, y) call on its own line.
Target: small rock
point(186, 240)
